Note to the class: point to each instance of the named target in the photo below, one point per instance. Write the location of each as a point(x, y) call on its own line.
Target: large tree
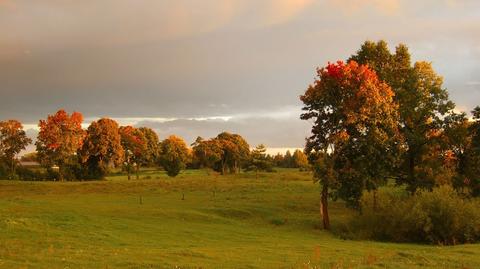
point(102, 147)
point(422, 103)
point(354, 130)
point(174, 155)
point(13, 139)
point(60, 137)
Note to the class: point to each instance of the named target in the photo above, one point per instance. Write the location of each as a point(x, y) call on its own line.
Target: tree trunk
point(223, 167)
point(411, 167)
point(137, 168)
point(324, 207)
point(128, 173)
point(375, 199)
point(12, 167)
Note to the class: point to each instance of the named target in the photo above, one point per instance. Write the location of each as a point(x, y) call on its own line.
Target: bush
point(440, 216)
point(29, 174)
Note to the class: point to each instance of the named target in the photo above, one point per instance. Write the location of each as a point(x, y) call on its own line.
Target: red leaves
point(335, 70)
point(61, 133)
point(133, 140)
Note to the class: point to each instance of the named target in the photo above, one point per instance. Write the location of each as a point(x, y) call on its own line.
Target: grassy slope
point(223, 222)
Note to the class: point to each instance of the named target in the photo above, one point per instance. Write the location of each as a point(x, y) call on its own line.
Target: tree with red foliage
point(60, 137)
point(354, 134)
point(135, 145)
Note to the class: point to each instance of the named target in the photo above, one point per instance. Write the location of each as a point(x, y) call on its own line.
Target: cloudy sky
point(199, 67)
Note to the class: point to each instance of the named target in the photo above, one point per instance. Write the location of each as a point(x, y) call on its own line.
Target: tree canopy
point(60, 137)
point(102, 147)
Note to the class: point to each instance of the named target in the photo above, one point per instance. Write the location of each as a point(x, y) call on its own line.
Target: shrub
point(30, 174)
point(440, 216)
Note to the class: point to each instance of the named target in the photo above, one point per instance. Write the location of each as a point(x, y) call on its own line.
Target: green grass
point(197, 220)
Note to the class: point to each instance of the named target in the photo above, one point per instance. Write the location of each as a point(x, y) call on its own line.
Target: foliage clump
point(441, 216)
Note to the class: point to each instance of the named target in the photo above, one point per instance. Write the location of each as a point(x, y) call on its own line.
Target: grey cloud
point(288, 132)
point(192, 59)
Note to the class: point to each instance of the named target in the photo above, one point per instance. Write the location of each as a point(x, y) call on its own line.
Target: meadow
point(196, 220)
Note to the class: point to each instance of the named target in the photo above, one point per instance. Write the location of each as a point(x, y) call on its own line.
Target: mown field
point(197, 220)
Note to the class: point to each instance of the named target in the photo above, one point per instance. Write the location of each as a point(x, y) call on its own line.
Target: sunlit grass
point(197, 220)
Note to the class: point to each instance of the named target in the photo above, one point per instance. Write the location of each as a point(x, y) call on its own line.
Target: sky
point(200, 67)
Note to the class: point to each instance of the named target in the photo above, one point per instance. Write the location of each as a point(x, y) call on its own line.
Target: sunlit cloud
point(281, 11)
point(388, 7)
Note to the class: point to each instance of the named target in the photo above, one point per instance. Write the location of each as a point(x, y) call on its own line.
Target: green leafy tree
point(422, 103)
point(102, 147)
point(174, 155)
point(13, 140)
point(472, 168)
point(259, 161)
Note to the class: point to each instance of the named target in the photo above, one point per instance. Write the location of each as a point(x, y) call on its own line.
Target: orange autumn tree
point(354, 134)
point(13, 139)
point(135, 146)
point(102, 147)
point(60, 137)
point(174, 155)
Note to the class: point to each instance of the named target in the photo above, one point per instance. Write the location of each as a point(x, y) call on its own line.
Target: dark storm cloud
point(188, 59)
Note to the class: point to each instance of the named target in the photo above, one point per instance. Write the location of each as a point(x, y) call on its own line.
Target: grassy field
point(197, 220)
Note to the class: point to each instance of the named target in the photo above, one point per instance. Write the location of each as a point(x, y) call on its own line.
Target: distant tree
point(207, 153)
point(258, 160)
point(135, 145)
point(235, 151)
point(300, 160)
point(152, 152)
point(102, 147)
point(421, 98)
point(60, 137)
point(278, 160)
point(13, 139)
point(344, 103)
point(288, 160)
point(174, 155)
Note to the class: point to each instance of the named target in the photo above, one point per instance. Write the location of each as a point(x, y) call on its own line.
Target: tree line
point(69, 152)
point(378, 118)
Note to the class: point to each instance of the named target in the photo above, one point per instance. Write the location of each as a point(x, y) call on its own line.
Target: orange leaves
point(12, 138)
point(60, 136)
point(133, 140)
point(10, 126)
